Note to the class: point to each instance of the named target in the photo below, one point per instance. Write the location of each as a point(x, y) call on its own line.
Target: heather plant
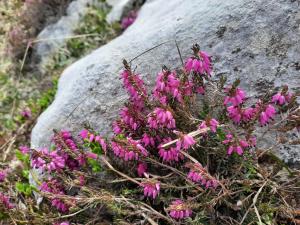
point(186, 152)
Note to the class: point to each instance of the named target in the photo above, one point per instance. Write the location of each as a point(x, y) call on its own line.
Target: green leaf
point(25, 188)
point(221, 134)
point(22, 157)
point(96, 167)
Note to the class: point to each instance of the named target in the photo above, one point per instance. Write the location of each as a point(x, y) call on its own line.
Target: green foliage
point(96, 167)
point(25, 188)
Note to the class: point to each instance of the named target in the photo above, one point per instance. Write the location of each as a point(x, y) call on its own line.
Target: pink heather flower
point(199, 174)
point(130, 115)
point(179, 210)
point(200, 90)
point(236, 96)
point(185, 142)
point(151, 188)
point(135, 87)
point(282, 97)
point(213, 124)
point(238, 146)
point(47, 160)
point(65, 137)
point(128, 20)
point(167, 84)
point(91, 155)
point(81, 180)
point(84, 134)
point(238, 149)
point(54, 187)
point(3, 174)
point(161, 118)
point(26, 113)
point(248, 114)
point(141, 169)
point(148, 140)
point(267, 115)
point(116, 127)
point(5, 201)
point(170, 154)
point(200, 65)
point(238, 114)
point(128, 149)
point(24, 149)
point(62, 223)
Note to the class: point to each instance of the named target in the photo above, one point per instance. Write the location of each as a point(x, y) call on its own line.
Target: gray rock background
point(257, 41)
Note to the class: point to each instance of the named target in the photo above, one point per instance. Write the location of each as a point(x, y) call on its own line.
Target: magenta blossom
point(26, 113)
point(24, 149)
point(141, 168)
point(161, 118)
point(168, 85)
point(199, 174)
point(170, 154)
point(135, 87)
point(267, 115)
point(151, 188)
point(236, 96)
point(200, 64)
point(3, 174)
point(128, 149)
point(179, 210)
point(128, 20)
point(47, 160)
point(212, 123)
point(5, 201)
point(185, 142)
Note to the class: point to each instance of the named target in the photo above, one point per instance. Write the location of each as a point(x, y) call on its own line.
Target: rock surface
point(255, 40)
point(55, 35)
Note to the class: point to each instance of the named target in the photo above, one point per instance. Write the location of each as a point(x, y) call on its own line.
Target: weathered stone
point(254, 40)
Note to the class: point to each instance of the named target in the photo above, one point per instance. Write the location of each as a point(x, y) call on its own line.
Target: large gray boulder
point(257, 41)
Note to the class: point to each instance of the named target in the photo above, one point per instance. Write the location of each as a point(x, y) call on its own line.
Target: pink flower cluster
point(161, 118)
point(211, 123)
point(266, 115)
point(199, 174)
point(151, 188)
point(134, 86)
point(179, 210)
point(148, 140)
point(62, 223)
point(200, 64)
point(47, 160)
point(131, 117)
point(54, 187)
point(282, 97)
point(236, 96)
point(3, 175)
point(64, 139)
point(238, 146)
point(128, 20)
point(26, 113)
point(239, 114)
point(142, 168)
point(167, 84)
point(90, 137)
point(170, 154)
point(185, 142)
point(128, 149)
point(24, 149)
point(4, 200)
